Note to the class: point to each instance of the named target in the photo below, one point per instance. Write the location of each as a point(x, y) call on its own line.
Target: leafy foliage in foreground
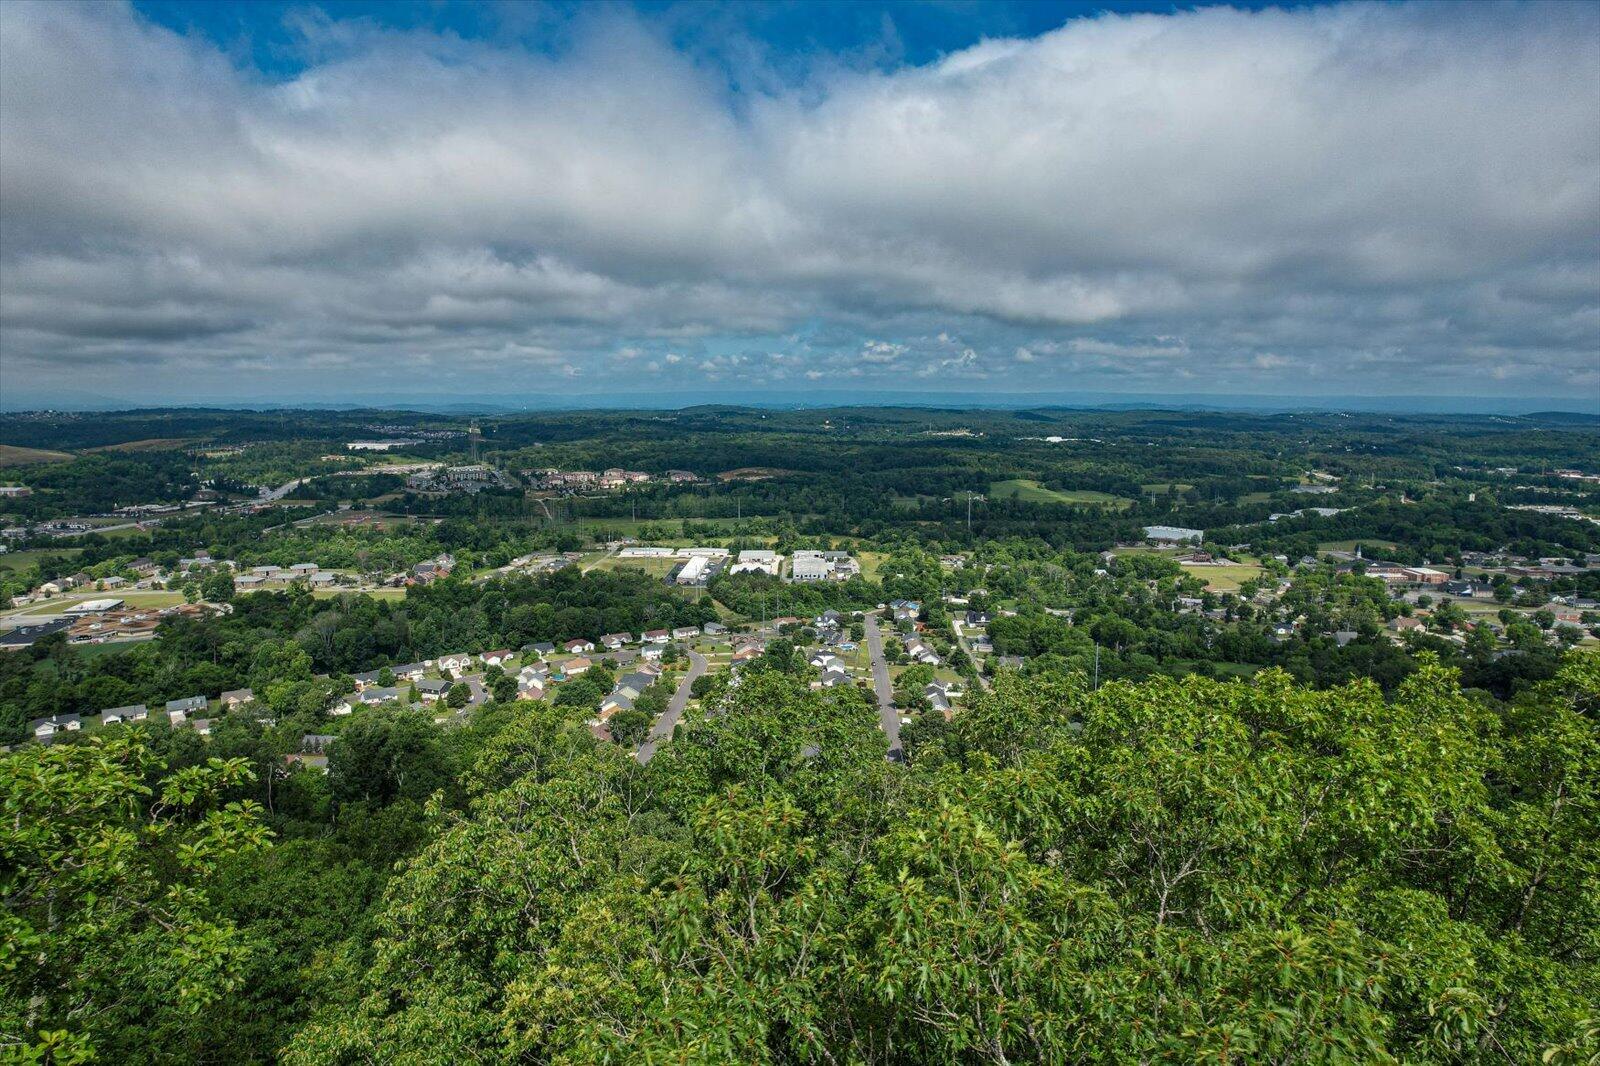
point(1170, 869)
point(1174, 869)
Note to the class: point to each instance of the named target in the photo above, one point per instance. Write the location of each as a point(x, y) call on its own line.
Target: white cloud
point(1341, 189)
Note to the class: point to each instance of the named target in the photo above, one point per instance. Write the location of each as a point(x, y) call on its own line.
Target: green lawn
point(386, 592)
point(871, 564)
point(1166, 486)
point(16, 455)
point(653, 567)
point(1367, 543)
point(1224, 578)
point(130, 600)
point(1032, 492)
point(13, 561)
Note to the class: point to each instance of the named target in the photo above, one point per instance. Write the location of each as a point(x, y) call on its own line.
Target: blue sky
point(288, 201)
point(262, 33)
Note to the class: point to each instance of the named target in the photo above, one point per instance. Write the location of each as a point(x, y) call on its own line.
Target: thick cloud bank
point(1339, 199)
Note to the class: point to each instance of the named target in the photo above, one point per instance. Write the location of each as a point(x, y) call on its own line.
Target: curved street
point(668, 721)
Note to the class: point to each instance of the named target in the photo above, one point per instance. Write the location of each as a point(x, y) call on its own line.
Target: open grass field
point(1367, 544)
point(52, 607)
point(1032, 492)
point(387, 592)
point(1165, 486)
point(109, 648)
point(653, 567)
point(16, 455)
point(1224, 578)
point(10, 562)
point(122, 532)
point(150, 444)
point(871, 564)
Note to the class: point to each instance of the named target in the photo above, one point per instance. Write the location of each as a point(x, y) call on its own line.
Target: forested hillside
point(1174, 869)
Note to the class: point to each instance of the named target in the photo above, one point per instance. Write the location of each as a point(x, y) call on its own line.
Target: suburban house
point(430, 689)
point(316, 743)
point(922, 653)
point(686, 632)
point(530, 687)
point(651, 652)
point(657, 636)
point(634, 684)
point(136, 712)
point(180, 710)
point(712, 629)
point(579, 646)
point(495, 658)
point(574, 667)
point(543, 649)
point(745, 652)
point(833, 677)
point(236, 696)
point(616, 701)
point(455, 663)
point(614, 641)
point(373, 696)
point(59, 723)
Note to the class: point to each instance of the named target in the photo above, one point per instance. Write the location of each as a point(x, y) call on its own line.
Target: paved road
point(680, 699)
point(281, 491)
point(888, 716)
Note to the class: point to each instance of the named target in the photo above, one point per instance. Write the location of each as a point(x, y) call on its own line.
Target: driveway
point(961, 642)
point(888, 716)
point(668, 721)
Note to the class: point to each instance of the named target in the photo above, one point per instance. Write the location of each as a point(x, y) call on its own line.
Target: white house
point(58, 723)
point(137, 712)
point(455, 663)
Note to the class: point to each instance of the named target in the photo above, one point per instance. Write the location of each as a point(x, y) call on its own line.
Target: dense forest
point(1169, 869)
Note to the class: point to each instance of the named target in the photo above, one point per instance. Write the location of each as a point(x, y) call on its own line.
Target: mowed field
point(52, 607)
point(149, 444)
point(1367, 544)
point(13, 561)
point(1032, 492)
point(654, 567)
point(16, 455)
point(1225, 578)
